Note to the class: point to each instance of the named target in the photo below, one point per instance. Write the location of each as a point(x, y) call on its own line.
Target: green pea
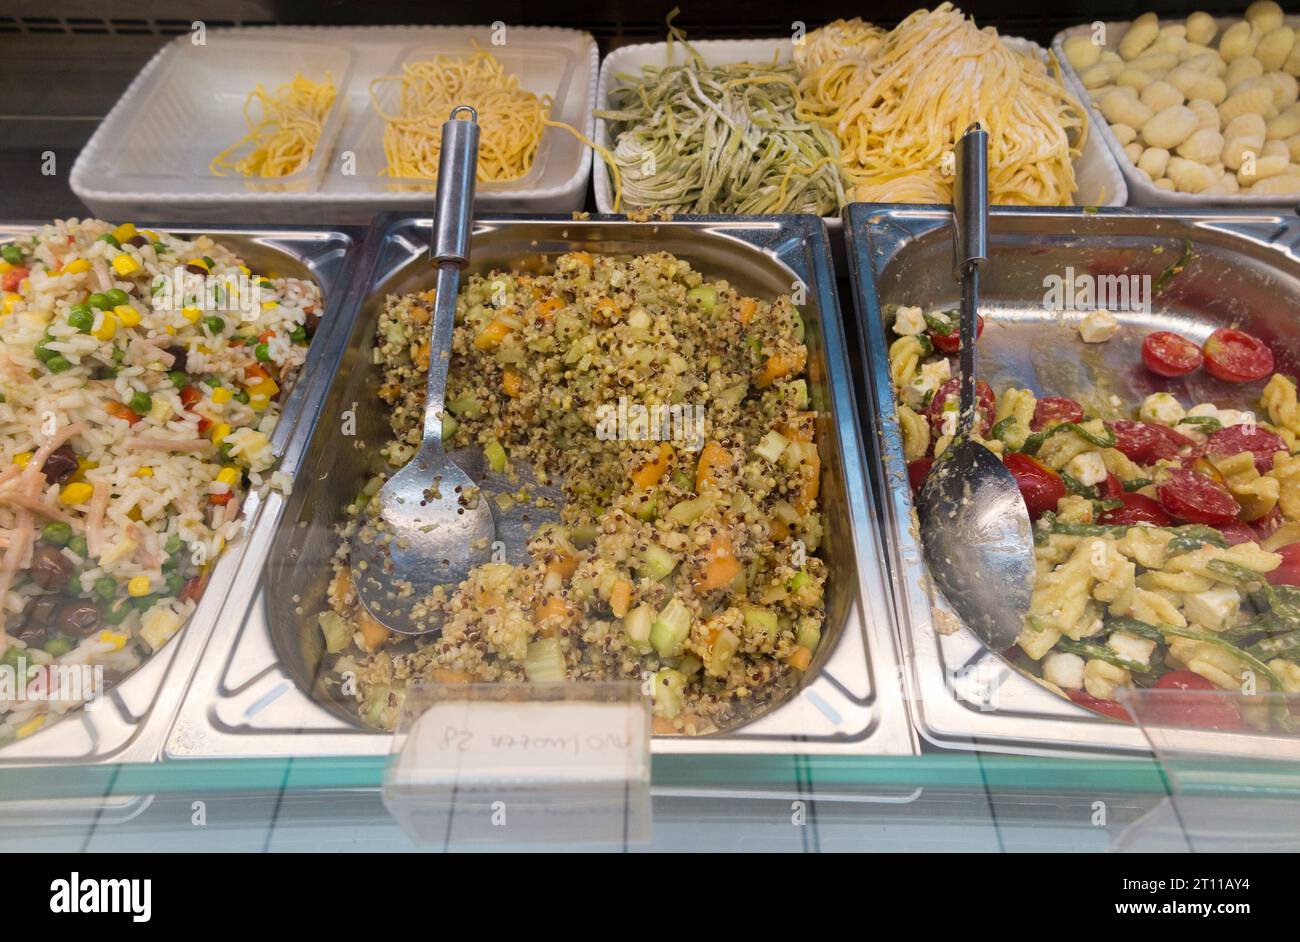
point(159, 247)
point(3, 398)
point(262, 352)
point(141, 403)
point(225, 451)
point(298, 334)
point(172, 544)
point(58, 646)
point(56, 532)
point(119, 354)
point(175, 582)
point(116, 611)
point(179, 378)
point(215, 324)
point(58, 363)
point(144, 602)
point(44, 353)
point(117, 296)
point(83, 320)
point(100, 301)
point(79, 546)
point(105, 587)
point(111, 240)
point(11, 254)
point(74, 584)
point(209, 262)
point(242, 396)
point(106, 372)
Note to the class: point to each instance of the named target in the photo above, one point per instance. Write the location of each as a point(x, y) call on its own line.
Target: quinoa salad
point(688, 561)
point(140, 380)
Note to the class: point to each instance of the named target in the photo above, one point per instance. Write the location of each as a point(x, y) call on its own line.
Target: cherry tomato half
point(1146, 442)
point(1234, 532)
point(1167, 354)
point(1235, 439)
point(1234, 356)
point(1104, 707)
point(950, 343)
point(1053, 410)
point(1194, 498)
point(1138, 508)
point(1190, 704)
point(1289, 572)
point(1040, 486)
point(985, 404)
point(916, 472)
point(13, 278)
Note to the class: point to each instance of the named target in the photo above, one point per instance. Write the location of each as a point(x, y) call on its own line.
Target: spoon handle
point(449, 250)
point(971, 215)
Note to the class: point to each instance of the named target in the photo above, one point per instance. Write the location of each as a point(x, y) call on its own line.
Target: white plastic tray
point(1142, 192)
point(1099, 179)
point(149, 157)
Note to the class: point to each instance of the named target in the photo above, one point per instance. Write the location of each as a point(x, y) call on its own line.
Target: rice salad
point(686, 563)
point(140, 379)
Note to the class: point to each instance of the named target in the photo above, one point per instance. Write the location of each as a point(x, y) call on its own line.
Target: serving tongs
point(975, 528)
point(429, 525)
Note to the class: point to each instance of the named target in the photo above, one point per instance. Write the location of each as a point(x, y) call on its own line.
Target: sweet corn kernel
point(5, 268)
point(31, 726)
point(145, 472)
point(199, 262)
point(124, 265)
point(267, 305)
point(76, 267)
point(169, 329)
point(229, 475)
point(128, 315)
point(191, 314)
point(107, 326)
point(22, 458)
point(244, 269)
point(77, 492)
point(150, 235)
point(124, 232)
point(219, 432)
point(25, 284)
point(138, 586)
point(221, 395)
point(118, 639)
point(11, 301)
point(264, 387)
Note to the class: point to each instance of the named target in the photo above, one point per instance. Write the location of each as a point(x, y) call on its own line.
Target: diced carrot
point(620, 597)
point(810, 478)
point(585, 258)
point(512, 383)
point(800, 658)
point(256, 371)
point(800, 428)
point(780, 529)
point(712, 457)
point(490, 337)
point(748, 308)
point(720, 565)
point(420, 315)
point(191, 395)
point(486, 600)
point(445, 675)
point(120, 410)
point(372, 632)
point(220, 500)
point(553, 608)
point(605, 312)
point(421, 357)
point(341, 586)
point(662, 727)
point(266, 336)
point(781, 365)
point(652, 472)
point(564, 564)
point(547, 307)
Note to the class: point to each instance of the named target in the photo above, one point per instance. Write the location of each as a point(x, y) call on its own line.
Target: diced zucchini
point(584, 534)
point(656, 562)
point(671, 628)
point(771, 445)
point(544, 661)
point(735, 394)
point(798, 327)
point(687, 512)
point(337, 632)
point(690, 665)
point(798, 580)
point(809, 633)
point(721, 651)
point(704, 297)
point(798, 390)
point(496, 456)
point(648, 509)
point(636, 625)
point(762, 619)
point(449, 426)
point(669, 685)
point(638, 319)
point(465, 406)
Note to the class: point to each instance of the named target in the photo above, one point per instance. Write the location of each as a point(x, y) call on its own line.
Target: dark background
point(65, 62)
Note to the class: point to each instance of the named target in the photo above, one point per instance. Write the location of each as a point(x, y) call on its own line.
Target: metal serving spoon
point(430, 525)
point(974, 525)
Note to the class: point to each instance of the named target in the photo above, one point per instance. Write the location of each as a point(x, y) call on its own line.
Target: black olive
point(33, 633)
point(78, 618)
point(138, 241)
point(181, 357)
point(60, 465)
point(310, 323)
point(50, 568)
point(195, 269)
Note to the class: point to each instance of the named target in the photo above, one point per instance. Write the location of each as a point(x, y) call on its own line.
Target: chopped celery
point(449, 426)
point(647, 509)
point(798, 326)
point(465, 406)
point(762, 619)
point(721, 651)
point(705, 297)
point(771, 445)
point(668, 687)
point(798, 390)
point(809, 633)
point(375, 704)
point(656, 562)
point(798, 580)
point(337, 632)
point(671, 628)
point(690, 665)
point(735, 394)
point(687, 512)
point(638, 319)
point(496, 456)
point(544, 661)
point(584, 534)
point(636, 625)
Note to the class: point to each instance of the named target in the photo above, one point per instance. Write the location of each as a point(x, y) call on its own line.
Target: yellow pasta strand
point(285, 135)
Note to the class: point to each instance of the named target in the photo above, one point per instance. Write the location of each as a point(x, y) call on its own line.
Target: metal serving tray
point(251, 693)
point(131, 722)
point(1245, 272)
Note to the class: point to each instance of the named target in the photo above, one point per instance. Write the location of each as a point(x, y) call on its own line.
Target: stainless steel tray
point(131, 722)
point(1246, 271)
point(249, 696)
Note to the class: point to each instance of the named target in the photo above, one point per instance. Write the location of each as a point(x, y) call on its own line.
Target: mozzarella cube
point(1215, 609)
point(909, 321)
point(1162, 409)
point(932, 376)
point(1087, 468)
point(1098, 327)
point(1064, 670)
point(1131, 646)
